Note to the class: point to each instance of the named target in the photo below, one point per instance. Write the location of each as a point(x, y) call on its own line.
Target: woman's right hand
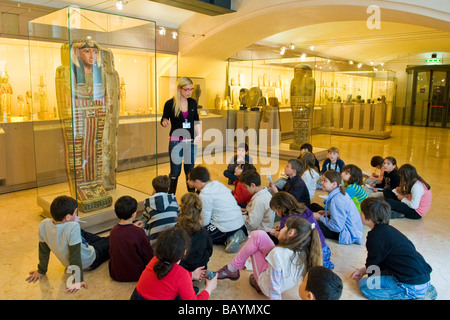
point(164, 122)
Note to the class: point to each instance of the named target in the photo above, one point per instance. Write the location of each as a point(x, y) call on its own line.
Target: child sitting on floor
point(396, 271)
point(320, 283)
point(307, 147)
point(285, 206)
point(309, 175)
point(164, 278)
point(240, 157)
point(129, 248)
point(258, 214)
point(72, 246)
point(343, 222)
point(241, 194)
point(391, 179)
point(191, 221)
point(412, 198)
point(277, 268)
point(333, 162)
point(160, 210)
point(294, 183)
point(353, 180)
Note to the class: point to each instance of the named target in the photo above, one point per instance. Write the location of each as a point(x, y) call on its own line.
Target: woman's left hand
point(197, 139)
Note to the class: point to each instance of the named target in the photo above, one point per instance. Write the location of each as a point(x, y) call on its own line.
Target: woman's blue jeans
point(180, 153)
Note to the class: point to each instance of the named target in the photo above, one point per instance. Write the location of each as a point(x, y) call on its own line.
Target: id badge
point(186, 125)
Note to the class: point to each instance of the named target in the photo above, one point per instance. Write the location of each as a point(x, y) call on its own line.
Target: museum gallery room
point(93, 94)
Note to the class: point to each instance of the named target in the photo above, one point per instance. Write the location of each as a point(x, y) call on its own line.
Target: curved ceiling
point(337, 28)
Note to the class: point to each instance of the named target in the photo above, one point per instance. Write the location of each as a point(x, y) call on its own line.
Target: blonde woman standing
point(185, 132)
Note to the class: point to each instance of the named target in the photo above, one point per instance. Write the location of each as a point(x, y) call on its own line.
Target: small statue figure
point(196, 95)
point(123, 96)
point(29, 103)
point(6, 92)
point(21, 105)
point(303, 88)
point(243, 98)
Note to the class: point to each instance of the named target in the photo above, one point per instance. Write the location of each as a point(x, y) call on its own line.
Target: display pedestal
point(99, 220)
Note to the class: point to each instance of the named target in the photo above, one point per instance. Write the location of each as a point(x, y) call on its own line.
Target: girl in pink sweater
point(413, 196)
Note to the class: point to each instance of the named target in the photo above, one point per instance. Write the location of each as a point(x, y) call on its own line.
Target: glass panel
point(95, 74)
point(438, 97)
point(447, 113)
point(421, 98)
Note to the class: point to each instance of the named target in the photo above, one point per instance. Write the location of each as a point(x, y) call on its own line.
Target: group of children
point(170, 245)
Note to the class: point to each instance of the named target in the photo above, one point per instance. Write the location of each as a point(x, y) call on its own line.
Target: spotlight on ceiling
point(162, 31)
point(292, 46)
point(174, 34)
point(120, 4)
point(282, 50)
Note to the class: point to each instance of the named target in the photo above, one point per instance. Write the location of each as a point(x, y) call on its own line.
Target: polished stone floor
point(426, 148)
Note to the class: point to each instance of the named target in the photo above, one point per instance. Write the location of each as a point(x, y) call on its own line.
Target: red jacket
point(178, 282)
point(240, 193)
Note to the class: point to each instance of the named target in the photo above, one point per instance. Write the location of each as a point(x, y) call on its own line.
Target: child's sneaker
point(225, 273)
point(234, 240)
point(431, 294)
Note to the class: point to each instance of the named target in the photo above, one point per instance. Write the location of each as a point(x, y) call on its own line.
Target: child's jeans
point(387, 287)
point(257, 247)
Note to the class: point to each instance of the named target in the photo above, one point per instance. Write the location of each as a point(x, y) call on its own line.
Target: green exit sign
point(433, 61)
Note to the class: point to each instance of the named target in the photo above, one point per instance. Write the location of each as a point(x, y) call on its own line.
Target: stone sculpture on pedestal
point(303, 88)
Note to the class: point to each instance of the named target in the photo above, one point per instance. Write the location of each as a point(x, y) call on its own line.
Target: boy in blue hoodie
point(160, 210)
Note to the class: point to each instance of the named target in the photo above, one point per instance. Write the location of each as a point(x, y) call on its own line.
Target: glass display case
point(89, 71)
point(339, 98)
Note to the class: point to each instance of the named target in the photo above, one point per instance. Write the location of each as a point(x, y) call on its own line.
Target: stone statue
point(21, 105)
point(196, 95)
point(243, 98)
point(112, 104)
point(123, 97)
point(6, 92)
point(29, 104)
point(303, 88)
point(87, 90)
point(254, 95)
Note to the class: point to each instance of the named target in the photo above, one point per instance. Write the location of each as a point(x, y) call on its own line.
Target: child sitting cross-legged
point(285, 206)
point(129, 248)
point(396, 271)
point(277, 268)
point(340, 218)
point(164, 278)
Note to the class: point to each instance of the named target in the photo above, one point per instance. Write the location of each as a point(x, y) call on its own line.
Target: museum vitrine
point(339, 97)
point(88, 71)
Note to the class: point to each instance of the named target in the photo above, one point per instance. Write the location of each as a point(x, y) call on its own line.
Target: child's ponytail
point(305, 243)
point(314, 257)
point(171, 246)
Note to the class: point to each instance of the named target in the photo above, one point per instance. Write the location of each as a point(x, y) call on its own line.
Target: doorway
point(430, 101)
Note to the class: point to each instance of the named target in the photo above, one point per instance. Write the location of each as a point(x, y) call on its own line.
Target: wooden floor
point(426, 148)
